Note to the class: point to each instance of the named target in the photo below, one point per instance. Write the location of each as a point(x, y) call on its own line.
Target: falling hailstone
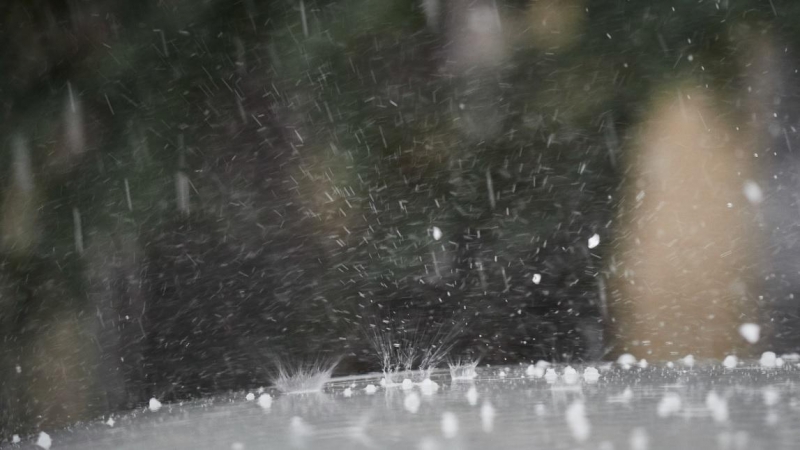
point(436, 232)
point(750, 332)
point(110, 422)
point(688, 361)
point(594, 241)
point(370, 389)
point(154, 405)
point(752, 192)
point(15, 439)
point(250, 397)
point(347, 392)
point(537, 278)
point(44, 440)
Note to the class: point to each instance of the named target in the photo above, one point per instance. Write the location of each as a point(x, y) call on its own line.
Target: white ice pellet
point(779, 362)
point(407, 384)
point(537, 278)
point(265, 401)
point(578, 422)
point(688, 361)
point(44, 440)
point(15, 439)
point(428, 387)
point(436, 232)
point(643, 363)
point(371, 389)
point(752, 192)
point(791, 357)
point(767, 360)
point(591, 375)
point(19, 368)
point(449, 425)
point(110, 422)
point(626, 360)
point(594, 241)
point(730, 362)
point(154, 405)
point(412, 402)
point(570, 375)
point(750, 332)
point(250, 397)
point(718, 407)
point(487, 417)
point(472, 396)
point(550, 375)
point(348, 392)
point(534, 371)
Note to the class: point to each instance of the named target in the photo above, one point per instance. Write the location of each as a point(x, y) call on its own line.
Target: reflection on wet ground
point(698, 405)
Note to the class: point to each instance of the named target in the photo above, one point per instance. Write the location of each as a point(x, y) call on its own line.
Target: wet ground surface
point(706, 406)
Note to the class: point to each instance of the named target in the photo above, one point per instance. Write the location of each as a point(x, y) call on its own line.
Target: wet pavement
point(705, 406)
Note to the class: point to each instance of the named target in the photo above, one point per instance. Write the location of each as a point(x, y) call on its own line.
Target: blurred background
point(192, 189)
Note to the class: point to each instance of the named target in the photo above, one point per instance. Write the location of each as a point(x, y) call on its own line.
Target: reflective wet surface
point(655, 407)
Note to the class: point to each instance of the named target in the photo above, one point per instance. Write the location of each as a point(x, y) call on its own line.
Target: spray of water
point(302, 377)
point(462, 369)
point(411, 352)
